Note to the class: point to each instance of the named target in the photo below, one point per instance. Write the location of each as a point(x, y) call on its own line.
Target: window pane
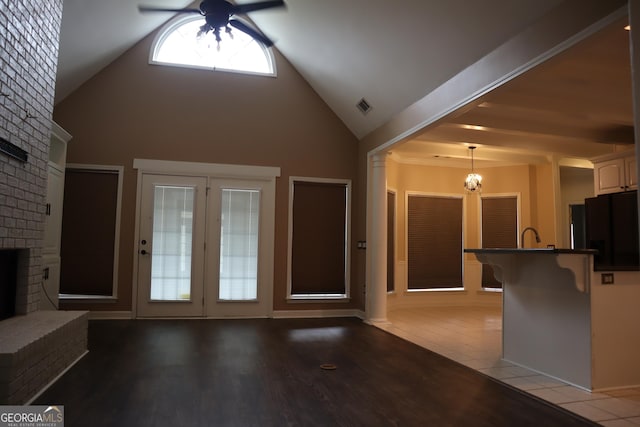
point(499, 230)
point(172, 235)
point(434, 242)
point(318, 258)
point(237, 51)
point(391, 240)
point(239, 223)
point(88, 272)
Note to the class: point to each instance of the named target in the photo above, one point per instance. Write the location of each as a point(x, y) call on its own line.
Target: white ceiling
point(392, 53)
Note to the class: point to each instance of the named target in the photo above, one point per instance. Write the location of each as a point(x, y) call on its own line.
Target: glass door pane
point(172, 243)
point(239, 226)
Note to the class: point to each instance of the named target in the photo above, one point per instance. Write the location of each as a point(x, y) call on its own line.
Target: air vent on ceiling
point(364, 106)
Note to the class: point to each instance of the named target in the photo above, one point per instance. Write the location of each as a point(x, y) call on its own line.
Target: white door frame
point(263, 306)
point(266, 174)
point(194, 306)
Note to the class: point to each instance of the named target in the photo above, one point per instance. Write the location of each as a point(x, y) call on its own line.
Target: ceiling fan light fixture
point(473, 182)
point(218, 15)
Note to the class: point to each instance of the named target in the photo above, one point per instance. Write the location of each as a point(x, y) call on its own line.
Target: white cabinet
point(53, 218)
point(631, 172)
point(615, 173)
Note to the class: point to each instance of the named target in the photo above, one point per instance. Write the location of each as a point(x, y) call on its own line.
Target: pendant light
point(473, 182)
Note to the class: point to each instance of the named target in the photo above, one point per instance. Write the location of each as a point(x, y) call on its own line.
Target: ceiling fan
point(218, 16)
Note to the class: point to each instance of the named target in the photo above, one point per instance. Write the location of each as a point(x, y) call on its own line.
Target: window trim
point(462, 197)
point(171, 25)
point(518, 197)
point(328, 297)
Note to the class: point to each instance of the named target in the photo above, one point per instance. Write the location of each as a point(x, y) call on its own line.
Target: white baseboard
point(379, 323)
point(281, 314)
point(301, 314)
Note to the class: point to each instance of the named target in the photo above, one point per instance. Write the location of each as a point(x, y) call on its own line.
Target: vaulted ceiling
point(393, 53)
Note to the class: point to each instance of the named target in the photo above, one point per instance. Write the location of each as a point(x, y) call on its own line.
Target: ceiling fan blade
point(250, 7)
point(251, 31)
point(161, 9)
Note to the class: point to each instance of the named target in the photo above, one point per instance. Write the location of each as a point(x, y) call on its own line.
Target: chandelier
point(473, 182)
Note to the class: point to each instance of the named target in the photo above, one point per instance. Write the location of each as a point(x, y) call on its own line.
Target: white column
point(376, 309)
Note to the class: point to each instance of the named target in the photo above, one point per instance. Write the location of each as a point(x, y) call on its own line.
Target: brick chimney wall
point(29, 35)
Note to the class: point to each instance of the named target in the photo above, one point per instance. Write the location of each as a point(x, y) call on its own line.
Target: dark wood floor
point(267, 373)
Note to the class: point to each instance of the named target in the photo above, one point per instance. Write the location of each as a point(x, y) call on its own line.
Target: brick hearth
point(35, 349)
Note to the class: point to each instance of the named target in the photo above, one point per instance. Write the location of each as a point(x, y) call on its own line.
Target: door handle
point(143, 252)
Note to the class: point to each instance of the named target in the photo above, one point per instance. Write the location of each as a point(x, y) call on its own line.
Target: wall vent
point(364, 106)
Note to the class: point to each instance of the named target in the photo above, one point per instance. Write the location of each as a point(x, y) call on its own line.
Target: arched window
point(179, 44)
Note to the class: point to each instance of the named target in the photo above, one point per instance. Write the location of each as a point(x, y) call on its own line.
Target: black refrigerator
point(612, 229)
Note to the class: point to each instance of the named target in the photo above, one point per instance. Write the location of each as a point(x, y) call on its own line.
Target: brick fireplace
point(35, 346)
point(27, 85)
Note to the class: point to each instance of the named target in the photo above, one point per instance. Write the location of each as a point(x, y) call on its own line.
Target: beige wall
point(576, 184)
point(543, 208)
point(135, 110)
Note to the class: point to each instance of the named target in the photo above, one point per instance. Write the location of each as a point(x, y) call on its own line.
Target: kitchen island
point(559, 320)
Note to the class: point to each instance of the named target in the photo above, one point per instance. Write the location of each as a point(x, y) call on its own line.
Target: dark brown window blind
point(434, 240)
point(318, 258)
point(499, 230)
point(391, 240)
point(88, 232)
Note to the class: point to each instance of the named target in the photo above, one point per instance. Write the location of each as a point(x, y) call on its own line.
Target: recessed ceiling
point(576, 105)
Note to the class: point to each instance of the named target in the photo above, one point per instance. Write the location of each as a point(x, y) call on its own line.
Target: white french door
point(205, 247)
point(171, 246)
point(239, 259)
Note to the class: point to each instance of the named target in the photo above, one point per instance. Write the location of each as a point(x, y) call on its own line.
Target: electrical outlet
point(606, 278)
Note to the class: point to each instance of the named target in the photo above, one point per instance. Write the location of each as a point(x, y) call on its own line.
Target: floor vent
point(364, 106)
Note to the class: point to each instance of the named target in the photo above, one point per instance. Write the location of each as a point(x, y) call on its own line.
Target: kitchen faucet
point(522, 235)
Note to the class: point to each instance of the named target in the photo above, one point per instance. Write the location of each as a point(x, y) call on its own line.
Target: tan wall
point(135, 110)
point(576, 184)
point(543, 208)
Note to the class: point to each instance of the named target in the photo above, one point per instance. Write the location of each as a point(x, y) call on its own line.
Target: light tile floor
point(473, 336)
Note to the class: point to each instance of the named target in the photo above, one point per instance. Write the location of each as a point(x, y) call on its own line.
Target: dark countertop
point(531, 251)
